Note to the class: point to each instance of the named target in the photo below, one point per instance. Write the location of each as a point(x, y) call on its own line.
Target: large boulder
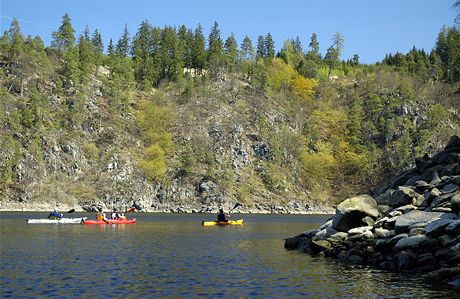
point(350, 212)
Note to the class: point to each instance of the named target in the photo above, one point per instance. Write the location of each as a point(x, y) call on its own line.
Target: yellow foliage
point(303, 87)
point(154, 163)
point(350, 162)
point(284, 76)
point(329, 122)
point(280, 74)
point(320, 165)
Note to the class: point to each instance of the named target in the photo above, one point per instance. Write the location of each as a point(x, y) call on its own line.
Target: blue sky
point(371, 28)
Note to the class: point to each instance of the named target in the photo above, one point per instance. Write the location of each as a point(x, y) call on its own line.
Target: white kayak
point(62, 220)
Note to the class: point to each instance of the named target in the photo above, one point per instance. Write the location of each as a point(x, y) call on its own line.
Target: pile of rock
point(412, 224)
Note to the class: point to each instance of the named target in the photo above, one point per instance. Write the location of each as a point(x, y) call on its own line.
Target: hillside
point(175, 126)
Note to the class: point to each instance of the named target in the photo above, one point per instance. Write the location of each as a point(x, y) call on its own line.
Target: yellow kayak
point(230, 222)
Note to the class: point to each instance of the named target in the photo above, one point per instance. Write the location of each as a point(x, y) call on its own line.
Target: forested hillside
point(168, 118)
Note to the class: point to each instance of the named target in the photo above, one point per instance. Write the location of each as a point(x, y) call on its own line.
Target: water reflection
point(174, 256)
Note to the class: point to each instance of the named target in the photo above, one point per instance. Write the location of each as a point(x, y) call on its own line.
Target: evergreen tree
point(199, 51)
point(122, 48)
point(269, 46)
point(355, 59)
point(314, 44)
point(171, 58)
point(96, 40)
point(141, 52)
point(98, 47)
point(247, 50)
point(186, 45)
point(231, 53)
point(261, 48)
point(86, 56)
point(111, 48)
point(215, 49)
point(64, 38)
point(331, 59)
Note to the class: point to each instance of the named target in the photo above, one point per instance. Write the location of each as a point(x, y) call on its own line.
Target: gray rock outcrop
point(413, 224)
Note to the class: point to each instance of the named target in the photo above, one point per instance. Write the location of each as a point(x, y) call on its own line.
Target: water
point(173, 256)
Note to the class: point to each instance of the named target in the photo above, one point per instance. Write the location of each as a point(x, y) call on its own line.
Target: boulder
point(383, 233)
point(436, 228)
point(404, 196)
point(350, 212)
point(449, 188)
point(412, 242)
point(384, 199)
point(417, 218)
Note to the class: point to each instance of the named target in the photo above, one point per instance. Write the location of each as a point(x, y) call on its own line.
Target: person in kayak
point(222, 217)
point(115, 215)
point(54, 215)
point(101, 216)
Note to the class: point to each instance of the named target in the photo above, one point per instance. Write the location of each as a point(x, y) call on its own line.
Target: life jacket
point(99, 216)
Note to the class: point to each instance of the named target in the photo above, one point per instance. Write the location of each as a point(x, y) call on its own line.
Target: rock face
point(413, 224)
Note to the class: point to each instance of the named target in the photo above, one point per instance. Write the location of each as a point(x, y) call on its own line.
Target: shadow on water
point(170, 255)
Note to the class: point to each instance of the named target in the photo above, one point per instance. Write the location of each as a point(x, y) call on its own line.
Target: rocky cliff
point(412, 224)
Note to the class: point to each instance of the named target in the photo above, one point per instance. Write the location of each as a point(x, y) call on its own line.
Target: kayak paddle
point(70, 211)
point(235, 206)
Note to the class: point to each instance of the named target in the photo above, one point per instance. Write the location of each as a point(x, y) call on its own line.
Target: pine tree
point(141, 52)
point(171, 58)
point(98, 47)
point(247, 50)
point(231, 53)
point(331, 59)
point(122, 47)
point(111, 48)
point(86, 56)
point(199, 51)
point(64, 38)
point(269, 46)
point(261, 53)
point(314, 44)
point(186, 45)
point(215, 50)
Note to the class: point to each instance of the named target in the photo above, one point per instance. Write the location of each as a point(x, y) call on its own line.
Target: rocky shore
point(412, 224)
point(293, 209)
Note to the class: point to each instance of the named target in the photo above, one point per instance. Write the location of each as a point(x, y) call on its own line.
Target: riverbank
point(410, 225)
point(187, 209)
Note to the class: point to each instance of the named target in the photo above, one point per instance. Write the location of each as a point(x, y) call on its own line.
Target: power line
point(28, 22)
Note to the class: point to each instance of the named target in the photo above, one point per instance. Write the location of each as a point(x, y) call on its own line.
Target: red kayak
point(110, 221)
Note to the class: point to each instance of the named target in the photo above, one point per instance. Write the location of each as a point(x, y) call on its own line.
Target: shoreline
point(176, 210)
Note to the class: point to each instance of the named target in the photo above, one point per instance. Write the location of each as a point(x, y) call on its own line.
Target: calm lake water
point(172, 255)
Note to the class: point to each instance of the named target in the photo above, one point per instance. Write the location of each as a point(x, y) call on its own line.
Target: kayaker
point(101, 216)
point(54, 215)
point(222, 217)
point(123, 217)
point(115, 215)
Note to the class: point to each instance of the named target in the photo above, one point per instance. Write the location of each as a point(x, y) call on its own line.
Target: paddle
point(235, 206)
point(70, 211)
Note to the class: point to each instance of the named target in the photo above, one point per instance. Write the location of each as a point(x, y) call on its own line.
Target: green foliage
point(153, 164)
point(64, 38)
point(154, 121)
